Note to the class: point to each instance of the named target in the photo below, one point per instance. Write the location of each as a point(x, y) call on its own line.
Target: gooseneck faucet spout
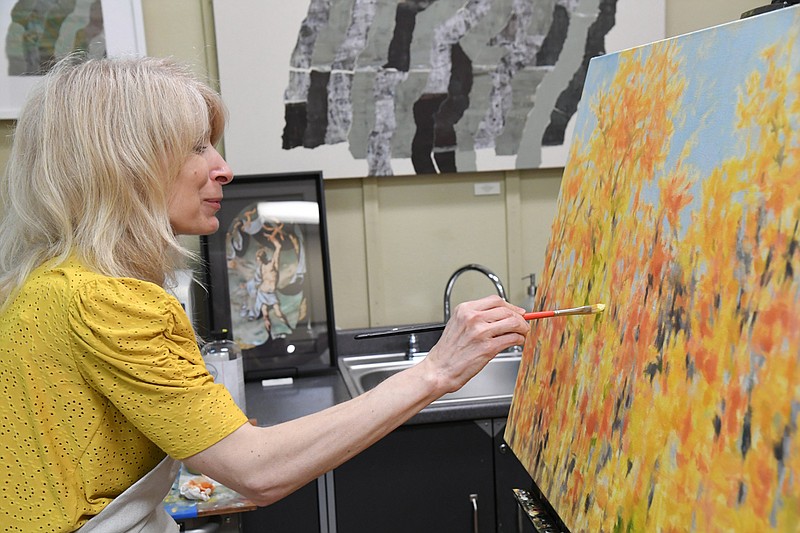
point(479, 268)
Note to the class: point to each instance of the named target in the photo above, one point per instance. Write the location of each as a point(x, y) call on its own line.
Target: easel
point(532, 509)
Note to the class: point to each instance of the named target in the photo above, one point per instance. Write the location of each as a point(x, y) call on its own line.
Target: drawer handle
point(473, 499)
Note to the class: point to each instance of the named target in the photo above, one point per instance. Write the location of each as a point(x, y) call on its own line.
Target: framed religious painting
point(268, 274)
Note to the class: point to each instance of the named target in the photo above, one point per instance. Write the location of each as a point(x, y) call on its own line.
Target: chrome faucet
point(479, 268)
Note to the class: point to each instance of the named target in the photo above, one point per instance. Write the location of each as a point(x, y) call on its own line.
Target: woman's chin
point(209, 227)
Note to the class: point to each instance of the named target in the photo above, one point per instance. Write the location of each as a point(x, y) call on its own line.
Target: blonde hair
point(95, 152)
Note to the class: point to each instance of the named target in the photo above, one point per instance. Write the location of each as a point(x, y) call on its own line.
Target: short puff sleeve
point(134, 344)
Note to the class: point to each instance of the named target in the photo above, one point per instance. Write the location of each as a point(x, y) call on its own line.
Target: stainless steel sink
point(495, 382)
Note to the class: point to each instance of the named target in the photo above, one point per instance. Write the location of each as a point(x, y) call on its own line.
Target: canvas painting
point(677, 408)
point(375, 87)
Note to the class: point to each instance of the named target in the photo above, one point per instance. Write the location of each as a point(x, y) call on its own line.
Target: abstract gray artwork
point(439, 84)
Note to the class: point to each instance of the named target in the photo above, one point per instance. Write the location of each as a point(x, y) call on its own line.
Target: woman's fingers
point(490, 316)
point(477, 331)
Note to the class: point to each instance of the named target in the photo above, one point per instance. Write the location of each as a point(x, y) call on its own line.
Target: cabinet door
point(509, 475)
point(300, 511)
point(420, 478)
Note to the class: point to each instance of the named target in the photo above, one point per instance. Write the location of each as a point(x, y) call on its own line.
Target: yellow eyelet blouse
point(100, 377)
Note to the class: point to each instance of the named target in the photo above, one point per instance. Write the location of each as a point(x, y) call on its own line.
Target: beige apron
point(139, 509)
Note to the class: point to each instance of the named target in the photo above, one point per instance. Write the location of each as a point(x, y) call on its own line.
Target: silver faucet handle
point(498, 285)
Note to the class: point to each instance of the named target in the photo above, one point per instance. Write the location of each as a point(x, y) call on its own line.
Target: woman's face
point(197, 193)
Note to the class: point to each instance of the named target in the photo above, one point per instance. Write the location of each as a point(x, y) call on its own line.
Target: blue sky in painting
point(717, 62)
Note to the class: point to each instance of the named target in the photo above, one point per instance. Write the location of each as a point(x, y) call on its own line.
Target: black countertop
point(271, 405)
point(274, 404)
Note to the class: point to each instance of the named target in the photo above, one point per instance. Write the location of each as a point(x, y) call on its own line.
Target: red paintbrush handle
point(538, 314)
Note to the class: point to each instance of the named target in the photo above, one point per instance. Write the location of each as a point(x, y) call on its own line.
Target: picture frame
point(267, 273)
point(120, 33)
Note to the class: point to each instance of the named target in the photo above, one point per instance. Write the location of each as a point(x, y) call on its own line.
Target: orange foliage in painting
point(677, 409)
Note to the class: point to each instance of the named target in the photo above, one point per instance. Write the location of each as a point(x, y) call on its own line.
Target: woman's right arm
point(267, 463)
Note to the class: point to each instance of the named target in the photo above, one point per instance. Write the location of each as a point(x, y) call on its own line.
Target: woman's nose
point(220, 169)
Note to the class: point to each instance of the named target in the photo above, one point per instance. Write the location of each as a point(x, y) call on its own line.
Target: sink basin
point(495, 382)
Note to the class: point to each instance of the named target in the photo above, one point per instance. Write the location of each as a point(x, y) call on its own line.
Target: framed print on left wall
point(35, 34)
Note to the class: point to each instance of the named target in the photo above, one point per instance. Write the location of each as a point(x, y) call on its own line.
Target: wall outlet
point(490, 188)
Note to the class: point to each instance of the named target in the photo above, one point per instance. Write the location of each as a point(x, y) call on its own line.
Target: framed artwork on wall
point(374, 88)
point(36, 34)
point(268, 274)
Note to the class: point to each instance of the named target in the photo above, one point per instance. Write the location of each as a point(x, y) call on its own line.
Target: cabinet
point(300, 511)
point(509, 474)
point(432, 478)
point(424, 478)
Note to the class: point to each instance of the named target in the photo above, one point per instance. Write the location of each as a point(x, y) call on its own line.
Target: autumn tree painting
point(677, 409)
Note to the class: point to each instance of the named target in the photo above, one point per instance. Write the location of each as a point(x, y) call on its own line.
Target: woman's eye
point(200, 148)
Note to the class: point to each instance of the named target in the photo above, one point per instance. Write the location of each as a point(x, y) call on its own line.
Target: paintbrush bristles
point(584, 310)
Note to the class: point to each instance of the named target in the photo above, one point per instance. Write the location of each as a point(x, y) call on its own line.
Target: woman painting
point(104, 385)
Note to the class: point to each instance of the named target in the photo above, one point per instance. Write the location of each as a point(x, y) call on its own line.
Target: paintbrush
point(583, 310)
point(533, 315)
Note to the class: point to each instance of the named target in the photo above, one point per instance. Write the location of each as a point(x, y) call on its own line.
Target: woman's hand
point(477, 331)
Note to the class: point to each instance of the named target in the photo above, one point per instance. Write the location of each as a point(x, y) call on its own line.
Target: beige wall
point(684, 16)
point(395, 241)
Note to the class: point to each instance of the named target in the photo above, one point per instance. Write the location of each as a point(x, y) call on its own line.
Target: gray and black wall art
point(441, 86)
